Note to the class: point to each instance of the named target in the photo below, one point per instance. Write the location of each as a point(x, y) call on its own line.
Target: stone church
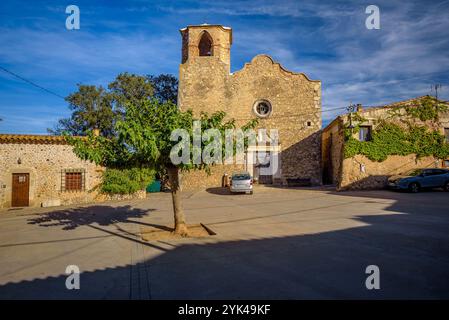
point(280, 99)
point(43, 170)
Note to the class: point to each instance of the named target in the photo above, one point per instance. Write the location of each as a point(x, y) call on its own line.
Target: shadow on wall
point(368, 183)
point(410, 246)
point(380, 181)
point(302, 160)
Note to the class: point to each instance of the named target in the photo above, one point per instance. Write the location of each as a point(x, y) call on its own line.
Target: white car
point(241, 182)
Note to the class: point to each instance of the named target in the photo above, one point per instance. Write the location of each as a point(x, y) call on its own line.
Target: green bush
point(126, 181)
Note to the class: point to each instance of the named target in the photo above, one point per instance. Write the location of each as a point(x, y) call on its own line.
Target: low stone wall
point(200, 180)
point(361, 173)
point(141, 194)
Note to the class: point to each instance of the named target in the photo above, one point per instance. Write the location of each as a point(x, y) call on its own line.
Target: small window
point(73, 180)
point(365, 133)
point(262, 108)
point(446, 134)
point(309, 123)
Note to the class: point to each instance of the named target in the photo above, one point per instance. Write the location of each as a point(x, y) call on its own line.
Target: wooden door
point(20, 189)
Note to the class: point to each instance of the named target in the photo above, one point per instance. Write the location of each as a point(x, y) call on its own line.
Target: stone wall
point(205, 85)
point(200, 180)
point(45, 163)
point(141, 194)
point(332, 152)
point(361, 173)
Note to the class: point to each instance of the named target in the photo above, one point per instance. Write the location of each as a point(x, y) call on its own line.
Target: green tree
point(91, 108)
point(165, 87)
point(143, 140)
point(130, 88)
point(96, 107)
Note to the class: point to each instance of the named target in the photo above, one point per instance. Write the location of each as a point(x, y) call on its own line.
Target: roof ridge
point(32, 138)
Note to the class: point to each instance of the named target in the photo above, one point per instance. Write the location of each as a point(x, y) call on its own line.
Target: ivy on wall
point(428, 109)
point(389, 138)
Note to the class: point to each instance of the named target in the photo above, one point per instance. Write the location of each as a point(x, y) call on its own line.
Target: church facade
point(280, 99)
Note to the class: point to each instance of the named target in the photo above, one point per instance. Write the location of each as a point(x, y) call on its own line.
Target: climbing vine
point(428, 109)
point(389, 138)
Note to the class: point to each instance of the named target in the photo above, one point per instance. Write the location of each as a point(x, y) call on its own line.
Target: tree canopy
point(144, 139)
point(95, 107)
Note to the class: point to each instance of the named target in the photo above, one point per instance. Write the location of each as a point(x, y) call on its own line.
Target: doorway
point(263, 165)
point(20, 190)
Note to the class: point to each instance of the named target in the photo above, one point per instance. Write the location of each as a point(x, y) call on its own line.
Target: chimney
point(359, 107)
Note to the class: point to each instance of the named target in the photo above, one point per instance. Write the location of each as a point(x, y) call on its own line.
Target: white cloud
point(274, 8)
point(371, 67)
point(66, 55)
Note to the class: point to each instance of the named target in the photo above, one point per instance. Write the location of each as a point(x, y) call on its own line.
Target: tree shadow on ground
point(223, 191)
point(410, 245)
point(72, 218)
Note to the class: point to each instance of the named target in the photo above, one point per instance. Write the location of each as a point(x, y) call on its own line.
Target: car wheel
point(446, 186)
point(413, 187)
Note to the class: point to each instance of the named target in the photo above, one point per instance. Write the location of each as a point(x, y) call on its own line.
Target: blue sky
point(327, 40)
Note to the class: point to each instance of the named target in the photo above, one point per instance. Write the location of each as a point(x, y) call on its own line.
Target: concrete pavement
point(278, 243)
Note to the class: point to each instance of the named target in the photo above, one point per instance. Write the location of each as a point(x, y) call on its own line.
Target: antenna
point(436, 87)
point(351, 108)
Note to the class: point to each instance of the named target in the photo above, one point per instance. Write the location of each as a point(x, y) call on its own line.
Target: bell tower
point(206, 41)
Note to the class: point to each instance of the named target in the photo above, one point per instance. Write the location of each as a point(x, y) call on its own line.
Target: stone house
point(280, 99)
point(359, 172)
point(40, 170)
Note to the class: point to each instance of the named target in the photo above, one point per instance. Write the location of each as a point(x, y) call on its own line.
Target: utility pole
point(351, 108)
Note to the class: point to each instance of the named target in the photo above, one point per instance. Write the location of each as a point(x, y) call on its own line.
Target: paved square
point(275, 244)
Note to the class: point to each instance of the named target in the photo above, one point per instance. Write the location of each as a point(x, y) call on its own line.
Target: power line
point(59, 96)
point(32, 83)
point(297, 114)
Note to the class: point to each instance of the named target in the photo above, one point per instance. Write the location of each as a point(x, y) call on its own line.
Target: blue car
point(418, 179)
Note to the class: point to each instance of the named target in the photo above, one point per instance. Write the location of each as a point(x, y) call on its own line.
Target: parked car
point(418, 179)
point(241, 182)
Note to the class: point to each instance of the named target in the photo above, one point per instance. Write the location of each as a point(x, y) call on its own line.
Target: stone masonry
point(359, 172)
point(206, 85)
point(46, 159)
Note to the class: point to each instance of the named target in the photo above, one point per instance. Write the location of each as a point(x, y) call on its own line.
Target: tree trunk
point(180, 222)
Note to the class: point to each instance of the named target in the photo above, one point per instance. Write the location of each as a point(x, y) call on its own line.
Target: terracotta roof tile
point(32, 139)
